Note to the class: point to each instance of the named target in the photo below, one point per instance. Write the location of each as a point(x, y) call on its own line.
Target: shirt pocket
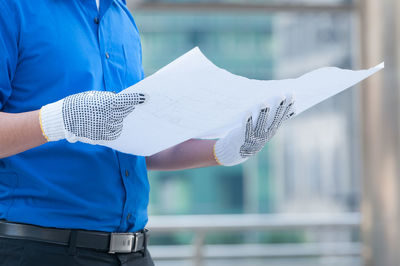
point(8, 183)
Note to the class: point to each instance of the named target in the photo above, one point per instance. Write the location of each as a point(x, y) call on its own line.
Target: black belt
point(109, 242)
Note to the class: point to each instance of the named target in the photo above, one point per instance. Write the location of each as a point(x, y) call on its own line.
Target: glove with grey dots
point(245, 141)
point(94, 117)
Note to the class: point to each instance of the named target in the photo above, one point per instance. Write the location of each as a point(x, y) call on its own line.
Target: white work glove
point(247, 140)
point(93, 117)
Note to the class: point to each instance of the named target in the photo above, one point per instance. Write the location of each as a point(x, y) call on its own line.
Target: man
point(63, 199)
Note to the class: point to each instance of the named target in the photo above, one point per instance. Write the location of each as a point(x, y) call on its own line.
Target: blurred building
point(263, 46)
point(315, 163)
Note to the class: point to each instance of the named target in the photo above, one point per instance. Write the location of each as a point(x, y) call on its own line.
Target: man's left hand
point(247, 140)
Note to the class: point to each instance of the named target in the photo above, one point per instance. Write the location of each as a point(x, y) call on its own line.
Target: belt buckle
point(138, 237)
point(121, 243)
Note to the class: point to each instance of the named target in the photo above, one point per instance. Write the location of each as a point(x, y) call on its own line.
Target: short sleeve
point(9, 50)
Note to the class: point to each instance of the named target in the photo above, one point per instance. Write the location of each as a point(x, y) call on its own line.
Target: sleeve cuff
point(51, 121)
point(227, 154)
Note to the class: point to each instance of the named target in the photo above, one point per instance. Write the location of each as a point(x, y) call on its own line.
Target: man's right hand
point(93, 117)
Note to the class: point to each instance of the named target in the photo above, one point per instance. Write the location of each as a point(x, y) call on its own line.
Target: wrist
point(51, 121)
point(215, 155)
point(227, 154)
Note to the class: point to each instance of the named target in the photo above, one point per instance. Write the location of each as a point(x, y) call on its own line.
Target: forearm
point(19, 132)
point(193, 153)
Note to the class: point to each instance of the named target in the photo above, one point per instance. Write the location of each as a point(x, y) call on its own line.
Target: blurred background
point(325, 190)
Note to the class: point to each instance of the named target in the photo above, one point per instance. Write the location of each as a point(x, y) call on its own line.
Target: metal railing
point(253, 7)
point(201, 225)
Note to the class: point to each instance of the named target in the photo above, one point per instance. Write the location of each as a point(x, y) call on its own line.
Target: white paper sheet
point(193, 98)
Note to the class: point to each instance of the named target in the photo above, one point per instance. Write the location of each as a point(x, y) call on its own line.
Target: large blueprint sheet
point(193, 98)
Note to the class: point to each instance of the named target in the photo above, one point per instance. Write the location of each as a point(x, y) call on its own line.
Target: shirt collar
point(104, 6)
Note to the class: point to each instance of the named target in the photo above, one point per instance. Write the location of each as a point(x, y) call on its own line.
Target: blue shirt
point(49, 50)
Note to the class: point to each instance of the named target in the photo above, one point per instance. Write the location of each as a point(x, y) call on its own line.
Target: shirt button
point(107, 55)
point(128, 216)
point(126, 173)
point(96, 20)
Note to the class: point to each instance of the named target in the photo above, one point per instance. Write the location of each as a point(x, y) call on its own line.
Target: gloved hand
point(247, 140)
point(93, 117)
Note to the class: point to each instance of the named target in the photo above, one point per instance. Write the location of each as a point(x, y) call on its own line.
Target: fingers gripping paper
point(193, 98)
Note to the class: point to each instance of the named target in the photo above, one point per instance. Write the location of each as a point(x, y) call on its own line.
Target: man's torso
point(65, 47)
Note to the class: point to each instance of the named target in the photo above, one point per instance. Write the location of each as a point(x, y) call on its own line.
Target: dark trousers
point(31, 253)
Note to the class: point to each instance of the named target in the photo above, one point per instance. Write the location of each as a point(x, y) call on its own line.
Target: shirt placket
point(104, 42)
point(128, 217)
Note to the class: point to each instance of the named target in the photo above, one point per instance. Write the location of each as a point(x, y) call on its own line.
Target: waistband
point(102, 241)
